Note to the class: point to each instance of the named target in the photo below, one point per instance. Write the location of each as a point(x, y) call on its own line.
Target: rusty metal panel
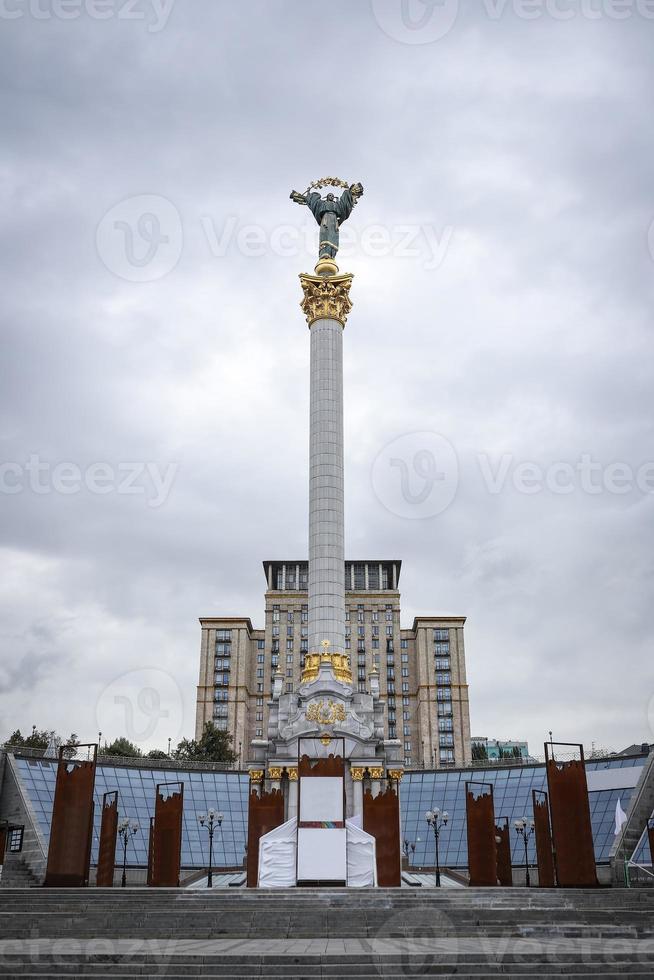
point(503, 842)
point(333, 765)
point(572, 831)
point(543, 837)
point(71, 830)
point(108, 834)
point(381, 819)
point(166, 840)
point(150, 851)
point(265, 812)
point(482, 849)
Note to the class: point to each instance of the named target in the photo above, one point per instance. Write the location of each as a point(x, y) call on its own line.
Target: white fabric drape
point(361, 856)
point(277, 856)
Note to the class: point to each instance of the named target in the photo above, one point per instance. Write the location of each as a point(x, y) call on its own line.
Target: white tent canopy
point(278, 856)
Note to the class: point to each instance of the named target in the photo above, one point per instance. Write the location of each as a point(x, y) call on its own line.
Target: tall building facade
point(421, 670)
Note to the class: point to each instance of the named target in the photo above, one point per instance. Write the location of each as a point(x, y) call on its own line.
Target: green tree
point(37, 740)
point(479, 752)
point(156, 754)
point(214, 746)
point(123, 746)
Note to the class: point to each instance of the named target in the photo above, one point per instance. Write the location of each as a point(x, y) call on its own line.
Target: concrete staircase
point(327, 933)
point(640, 810)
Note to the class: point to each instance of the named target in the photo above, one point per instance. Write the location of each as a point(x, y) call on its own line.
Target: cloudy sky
point(499, 369)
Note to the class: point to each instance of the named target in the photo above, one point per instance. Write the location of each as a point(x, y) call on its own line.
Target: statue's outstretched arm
point(298, 198)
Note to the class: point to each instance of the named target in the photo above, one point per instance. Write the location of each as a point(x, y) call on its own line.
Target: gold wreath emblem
point(326, 714)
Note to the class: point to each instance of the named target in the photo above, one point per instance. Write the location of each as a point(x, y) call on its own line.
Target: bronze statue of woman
point(330, 213)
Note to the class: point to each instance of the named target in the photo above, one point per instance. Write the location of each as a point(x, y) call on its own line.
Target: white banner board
point(321, 799)
point(321, 853)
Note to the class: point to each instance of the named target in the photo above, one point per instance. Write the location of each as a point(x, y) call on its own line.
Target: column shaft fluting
point(326, 494)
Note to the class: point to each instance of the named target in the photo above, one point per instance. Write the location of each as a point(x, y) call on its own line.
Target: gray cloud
point(532, 141)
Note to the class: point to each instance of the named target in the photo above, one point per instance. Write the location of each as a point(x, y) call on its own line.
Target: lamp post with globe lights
point(126, 830)
point(437, 820)
point(525, 828)
point(211, 820)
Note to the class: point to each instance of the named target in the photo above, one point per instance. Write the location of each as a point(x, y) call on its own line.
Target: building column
point(292, 794)
point(376, 776)
point(326, 305)
point(357, 790)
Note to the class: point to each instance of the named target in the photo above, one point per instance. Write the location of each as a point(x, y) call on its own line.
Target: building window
point(391, 702)
point(359, 614)
point(275, 614)
point(220, 710)
point(373, 576)
point(446, 756)
point(259, 671)
point(221, 695)
point(442, 649)
point(405, 672)
point(222, 679)
point(389, 631)
point(225, 635)
point(261, 644)
point(275, 631)
point(445, 724)
point(223, 649)
point(444, 679)
point(375, 617)
point(405, 658)
point(391, 731)
point(289, 658)
point(259, 702)
point(289, 687)
point(348, 643)
point(375, 643)
point(289, 644)
point(221, 724)
point(362, 687)
point(405, 702)
point(442, 663)
point(407, 746)
point(304, 577)
point(445, 740)
point(443, 694)
point(260, 687)
point(441, 634)
point(260, 658)
point(444, 708)
point(404, 643)
point(405, 686)
point(289, 671)
point(289, 631)
point(390, 688)
point(304, 646)
point(361, 674)
point(406, 730)
point(259, 733)
point(359, 577)
point(405, 715)
point(304, 617)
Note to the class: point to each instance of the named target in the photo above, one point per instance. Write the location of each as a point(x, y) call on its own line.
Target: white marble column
point(326, 515)
point(292, 797)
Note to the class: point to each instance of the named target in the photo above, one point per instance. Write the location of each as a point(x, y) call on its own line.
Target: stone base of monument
point(335, 933)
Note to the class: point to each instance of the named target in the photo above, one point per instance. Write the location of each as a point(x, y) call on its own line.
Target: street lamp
point(525, 828)
point(211, 819)
point(437, 820)
point(126, 830)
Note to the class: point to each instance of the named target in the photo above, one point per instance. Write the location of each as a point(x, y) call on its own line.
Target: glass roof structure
point(227, 791)
point(512, 786)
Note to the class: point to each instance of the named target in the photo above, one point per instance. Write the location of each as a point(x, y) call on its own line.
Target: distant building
point(422, 670)
point(494, 749)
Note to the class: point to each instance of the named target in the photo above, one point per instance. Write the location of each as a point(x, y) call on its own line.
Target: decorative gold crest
point(326, 714)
